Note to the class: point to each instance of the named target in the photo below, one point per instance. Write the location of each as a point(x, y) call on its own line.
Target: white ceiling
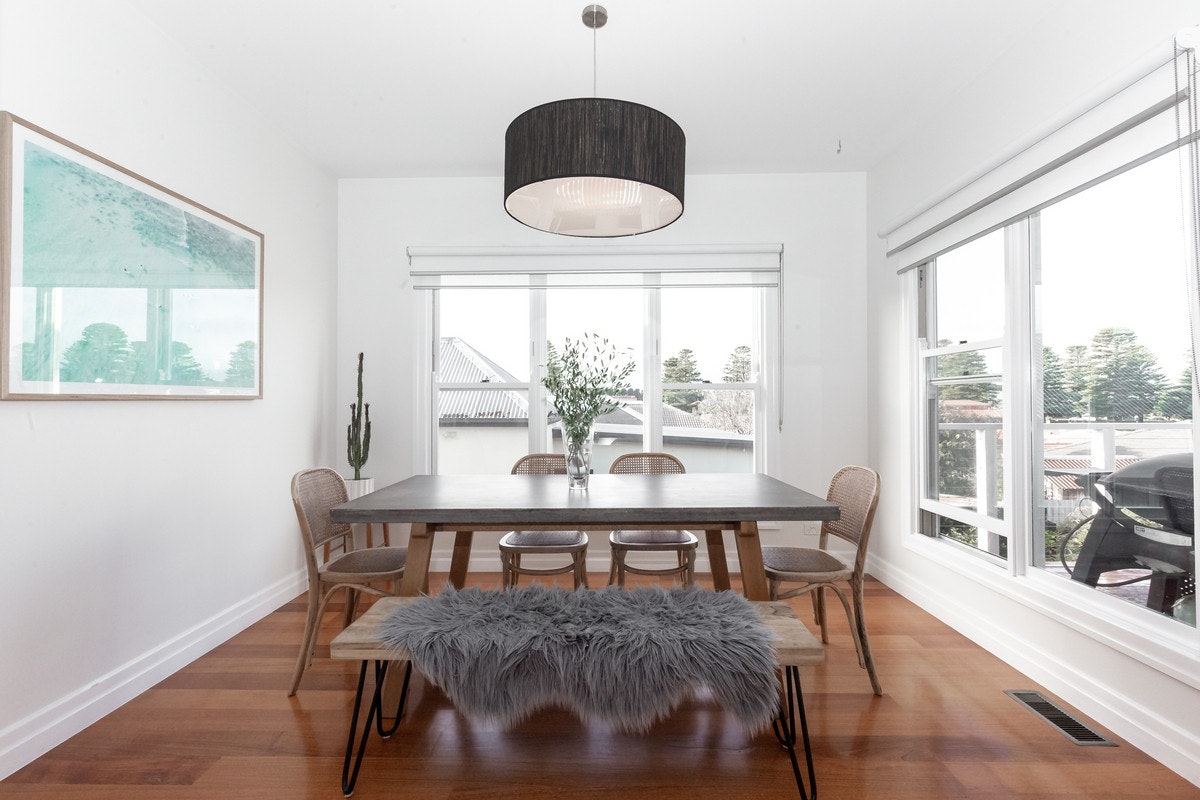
point(393, 88)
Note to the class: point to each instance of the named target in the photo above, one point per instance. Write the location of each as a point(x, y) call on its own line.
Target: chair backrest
point(645, 464)
point(314, 492)
point(541, 464)
point(856, 491)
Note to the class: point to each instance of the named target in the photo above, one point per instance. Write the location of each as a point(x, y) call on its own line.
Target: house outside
point(485, 429)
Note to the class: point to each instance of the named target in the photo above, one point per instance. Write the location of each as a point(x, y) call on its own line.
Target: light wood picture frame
point(114, 287)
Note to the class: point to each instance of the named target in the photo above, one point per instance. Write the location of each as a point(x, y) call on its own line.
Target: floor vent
point(1070, 727)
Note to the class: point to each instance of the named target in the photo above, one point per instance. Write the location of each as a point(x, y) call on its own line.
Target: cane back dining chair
point(332, 561)
point(515, 544)
point(623, 543)
point(856, 492)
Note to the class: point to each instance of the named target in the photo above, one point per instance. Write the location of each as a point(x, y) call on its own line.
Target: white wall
point(1040, 630)
point(138, 534)
point(819, 219)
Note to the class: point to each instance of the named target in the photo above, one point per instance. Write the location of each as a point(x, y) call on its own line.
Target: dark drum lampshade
point(594, 167)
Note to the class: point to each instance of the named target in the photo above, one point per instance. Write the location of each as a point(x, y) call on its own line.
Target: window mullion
point(652, 386)
point(540, 439)
point(426, 423)
point(1017, 391)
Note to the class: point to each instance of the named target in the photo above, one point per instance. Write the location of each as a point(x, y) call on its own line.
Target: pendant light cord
point(595, 16)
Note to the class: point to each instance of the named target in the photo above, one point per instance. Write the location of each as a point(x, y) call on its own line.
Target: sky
point(1112, 256)
point(710, 322)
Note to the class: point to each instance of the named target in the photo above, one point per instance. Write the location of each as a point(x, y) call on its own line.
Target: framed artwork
point(114, 287)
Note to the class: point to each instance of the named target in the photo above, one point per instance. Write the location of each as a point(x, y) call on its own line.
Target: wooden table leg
point(416, 567)
point(749, 548)
point(461, 558)
point(387, 535)
point(414, 581)
point(717, 564)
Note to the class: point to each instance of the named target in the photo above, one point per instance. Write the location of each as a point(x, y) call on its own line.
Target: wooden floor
point(224, 728)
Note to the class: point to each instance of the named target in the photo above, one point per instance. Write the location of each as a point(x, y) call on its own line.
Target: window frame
point(766, 349)
point(990, 529)
point(1155, 640)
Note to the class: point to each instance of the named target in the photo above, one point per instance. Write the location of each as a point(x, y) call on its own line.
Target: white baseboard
point(46, 728)
point(1093, 694)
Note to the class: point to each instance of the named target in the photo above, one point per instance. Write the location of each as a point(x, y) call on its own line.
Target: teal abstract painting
point(118, 287)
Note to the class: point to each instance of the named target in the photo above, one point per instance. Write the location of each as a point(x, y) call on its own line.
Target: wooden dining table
point(463, 504)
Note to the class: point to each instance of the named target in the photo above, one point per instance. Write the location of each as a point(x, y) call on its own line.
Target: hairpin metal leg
point(374, 716)
point(785, 731)
point(399, 706)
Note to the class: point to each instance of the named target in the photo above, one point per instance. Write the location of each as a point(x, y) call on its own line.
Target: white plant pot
point(357, 488)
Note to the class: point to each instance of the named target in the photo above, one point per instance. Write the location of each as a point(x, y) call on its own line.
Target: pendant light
point(594, 166)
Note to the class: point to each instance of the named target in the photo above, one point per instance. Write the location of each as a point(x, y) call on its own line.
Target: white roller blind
point(1133, 125)
point(608, 266)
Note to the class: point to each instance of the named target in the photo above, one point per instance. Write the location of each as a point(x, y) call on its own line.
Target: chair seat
point(372, 563)
point(653, 540)
point(804, 564)
point(516, 544)
point(623, 542)
point(331, 562)
point(855, 490)
point(544, 540)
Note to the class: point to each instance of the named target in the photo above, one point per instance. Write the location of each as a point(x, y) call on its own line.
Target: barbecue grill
point(1145, 520)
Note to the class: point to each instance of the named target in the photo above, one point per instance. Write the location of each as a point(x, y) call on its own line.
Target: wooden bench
point(795, 647)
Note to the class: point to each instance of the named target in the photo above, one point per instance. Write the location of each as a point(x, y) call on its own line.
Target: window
point(617, 315)
point(1086, 299)
point(704, 342)
point(711, 390)
point(962, 337)
point(1114, 390)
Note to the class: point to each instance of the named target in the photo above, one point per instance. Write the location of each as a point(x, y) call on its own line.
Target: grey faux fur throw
point(624, 657)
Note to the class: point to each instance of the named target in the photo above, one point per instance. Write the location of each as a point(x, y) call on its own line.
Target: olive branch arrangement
point(584, 378)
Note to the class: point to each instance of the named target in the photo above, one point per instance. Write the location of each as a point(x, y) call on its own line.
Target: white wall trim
point(1156, 641)
point(39, 732)
point(1092, 692)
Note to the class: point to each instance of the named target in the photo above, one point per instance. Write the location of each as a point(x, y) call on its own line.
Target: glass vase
point(578, 445)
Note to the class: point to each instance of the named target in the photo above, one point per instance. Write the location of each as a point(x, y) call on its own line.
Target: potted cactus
point(358, 441)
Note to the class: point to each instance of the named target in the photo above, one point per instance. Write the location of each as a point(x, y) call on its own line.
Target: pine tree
point(1057, 400)
point(1175, 402)
point(1077, 375)
point(102, 354)
point(243, 367)
point(681, 369)
point(739, 365)
point(1125, 378)
point(185, 369)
